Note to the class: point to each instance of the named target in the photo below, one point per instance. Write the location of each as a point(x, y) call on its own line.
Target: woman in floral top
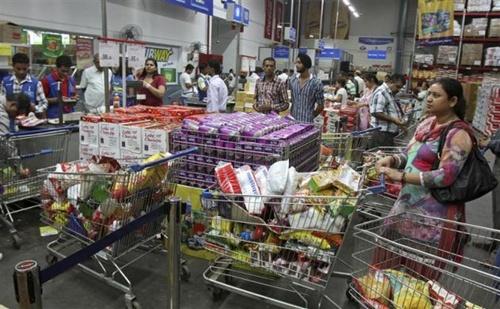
point(414, 167)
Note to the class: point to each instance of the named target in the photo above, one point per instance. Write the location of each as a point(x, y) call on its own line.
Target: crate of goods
point(494, 28)
point(424, 59)
point(472, 54)
point(479, 5)
point(477, 28)
point(496, 5)
point(459, 5)
point(243, 138)
point(492, 57)
point(447, 54)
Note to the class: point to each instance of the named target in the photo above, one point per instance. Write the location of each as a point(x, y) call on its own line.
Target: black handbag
point(473, 181)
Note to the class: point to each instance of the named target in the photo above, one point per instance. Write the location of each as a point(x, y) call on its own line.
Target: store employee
point(22, 81)
point(270, 93)
point(61, 74)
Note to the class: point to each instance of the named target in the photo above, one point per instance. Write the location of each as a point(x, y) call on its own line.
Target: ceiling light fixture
point(355, 14)
point(346, 2)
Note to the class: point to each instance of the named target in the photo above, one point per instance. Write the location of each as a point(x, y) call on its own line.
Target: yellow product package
point(347, 180)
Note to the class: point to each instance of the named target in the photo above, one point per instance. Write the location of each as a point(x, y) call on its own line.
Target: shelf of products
point(476, 14)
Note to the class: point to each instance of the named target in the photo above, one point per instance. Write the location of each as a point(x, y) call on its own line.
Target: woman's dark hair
point(143, 74)
point(371, 77)
point(20, 58)
point(306, 60)
point(453, 88)
point(341, 81)
point(189, 67)
point(22, 100)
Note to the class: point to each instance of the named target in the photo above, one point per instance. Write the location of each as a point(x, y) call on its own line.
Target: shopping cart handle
point(380, 188)
point(32, 132)
point(358, 133)
point(183, 153)
point(36, 154)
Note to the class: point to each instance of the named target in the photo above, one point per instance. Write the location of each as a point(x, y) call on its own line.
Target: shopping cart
point(87, 205)
point(411, 119)
point(284, 257)
point(347, 146)
point(21, 154)
point(415, 261)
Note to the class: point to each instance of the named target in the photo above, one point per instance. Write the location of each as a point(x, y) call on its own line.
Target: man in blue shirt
point(22, 81)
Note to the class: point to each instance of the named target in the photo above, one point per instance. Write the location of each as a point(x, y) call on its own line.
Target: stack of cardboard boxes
point(472, 54)
point(244, 101)
point(494, 31)
point(129, 133)
point(459, 5)
point(479, 5)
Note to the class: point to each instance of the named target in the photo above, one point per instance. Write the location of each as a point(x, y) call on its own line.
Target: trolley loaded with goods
point(109, 214)
point(414, 261)
point(21, 154)
point(279, 229)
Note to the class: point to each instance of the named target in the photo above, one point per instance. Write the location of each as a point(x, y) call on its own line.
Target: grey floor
point(75, 289)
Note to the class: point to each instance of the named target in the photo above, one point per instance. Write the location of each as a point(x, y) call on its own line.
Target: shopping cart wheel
point(185, 273)
point(51, 259)
point(16, 241)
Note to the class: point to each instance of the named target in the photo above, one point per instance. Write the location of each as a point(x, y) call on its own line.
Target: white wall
point(253, 36)
point(224, 42)
point(161, 23)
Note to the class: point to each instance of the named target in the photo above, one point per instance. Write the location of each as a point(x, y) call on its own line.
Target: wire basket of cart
point(88, 200)
point(287, 244)
point(415, 261)
point(21, 154)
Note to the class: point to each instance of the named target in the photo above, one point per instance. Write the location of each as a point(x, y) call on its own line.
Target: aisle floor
point(75, 289)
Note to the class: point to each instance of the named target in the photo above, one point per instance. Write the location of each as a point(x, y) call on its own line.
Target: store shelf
point(476, 40)
point(434, 66)
point(477, 14)
point(478, 68)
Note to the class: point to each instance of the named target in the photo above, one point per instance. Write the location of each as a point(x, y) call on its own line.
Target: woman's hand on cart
point(24, 172)
point(391, 173)
point(384, 162)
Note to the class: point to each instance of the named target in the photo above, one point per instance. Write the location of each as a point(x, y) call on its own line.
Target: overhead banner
point(330, 53)
point(84, 53)
point(268, 25)
point(278, 29)
point(281, 52)
point(168, 59)
point(377, 54)
point(375, 41)
point(435, 20)
point(202, 6)
point(52, 45)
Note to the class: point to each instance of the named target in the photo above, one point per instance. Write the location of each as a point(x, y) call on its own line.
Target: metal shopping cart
point(112, 217)
point(284, 257)
point(20, 183)
point(411, 119)
point(347, 146)
point(403, 262)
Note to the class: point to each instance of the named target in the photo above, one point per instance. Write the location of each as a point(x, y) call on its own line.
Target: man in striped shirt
point(386, 113)
point(307, 92)
point(270, 92)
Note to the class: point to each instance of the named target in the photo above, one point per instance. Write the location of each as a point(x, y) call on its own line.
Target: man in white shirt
point(185, 80)
point(217, 90)
point(284, 76)
point(232, 82)
point(361, 82)
point(92, 84)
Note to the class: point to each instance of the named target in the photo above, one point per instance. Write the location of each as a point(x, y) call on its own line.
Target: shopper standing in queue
point(153, 84)
point(307, 92)
point(92, 85)
point(60, 76)
point(202, 82)
point(186, 82)
point(22, 81)
point(360, 81)
point(283, 76)
point(231, 82)
point(270, 92)
point(217, 89)
point(386, 113)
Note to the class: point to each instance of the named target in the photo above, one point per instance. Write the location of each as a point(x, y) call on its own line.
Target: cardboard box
point(155, 140)
point(89, 133)
point(131, 136)
point(109, 135)
point(127, 155)
point(472, 54)
point(447, 54)
point(494, 28)
point(88, 151)
point(110, 152)
point(10, 33)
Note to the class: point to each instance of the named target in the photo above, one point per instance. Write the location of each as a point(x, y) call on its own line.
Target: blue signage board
point(321, 44)
point(238, 13)
point(246, 16)
point(377, 54)
point(293, 34)
point(303, 51)
point(202, 6)
point(330, 53)
point(281, 52)
point(375, 41)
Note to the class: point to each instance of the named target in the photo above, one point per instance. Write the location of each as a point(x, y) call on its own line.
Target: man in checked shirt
point(270, 92)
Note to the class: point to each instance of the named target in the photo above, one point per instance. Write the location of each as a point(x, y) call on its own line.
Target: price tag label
point(109, 54)
point(136, 56)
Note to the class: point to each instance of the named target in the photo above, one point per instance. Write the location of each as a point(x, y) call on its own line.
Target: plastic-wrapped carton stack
point(424, 58)
point(459, 5)
point(477, 27)
point(494, 28)
point(496, 5)
point(479, 5)
point(472, 54)
point(487, 115)
point(492, 56)
point(447, 54)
